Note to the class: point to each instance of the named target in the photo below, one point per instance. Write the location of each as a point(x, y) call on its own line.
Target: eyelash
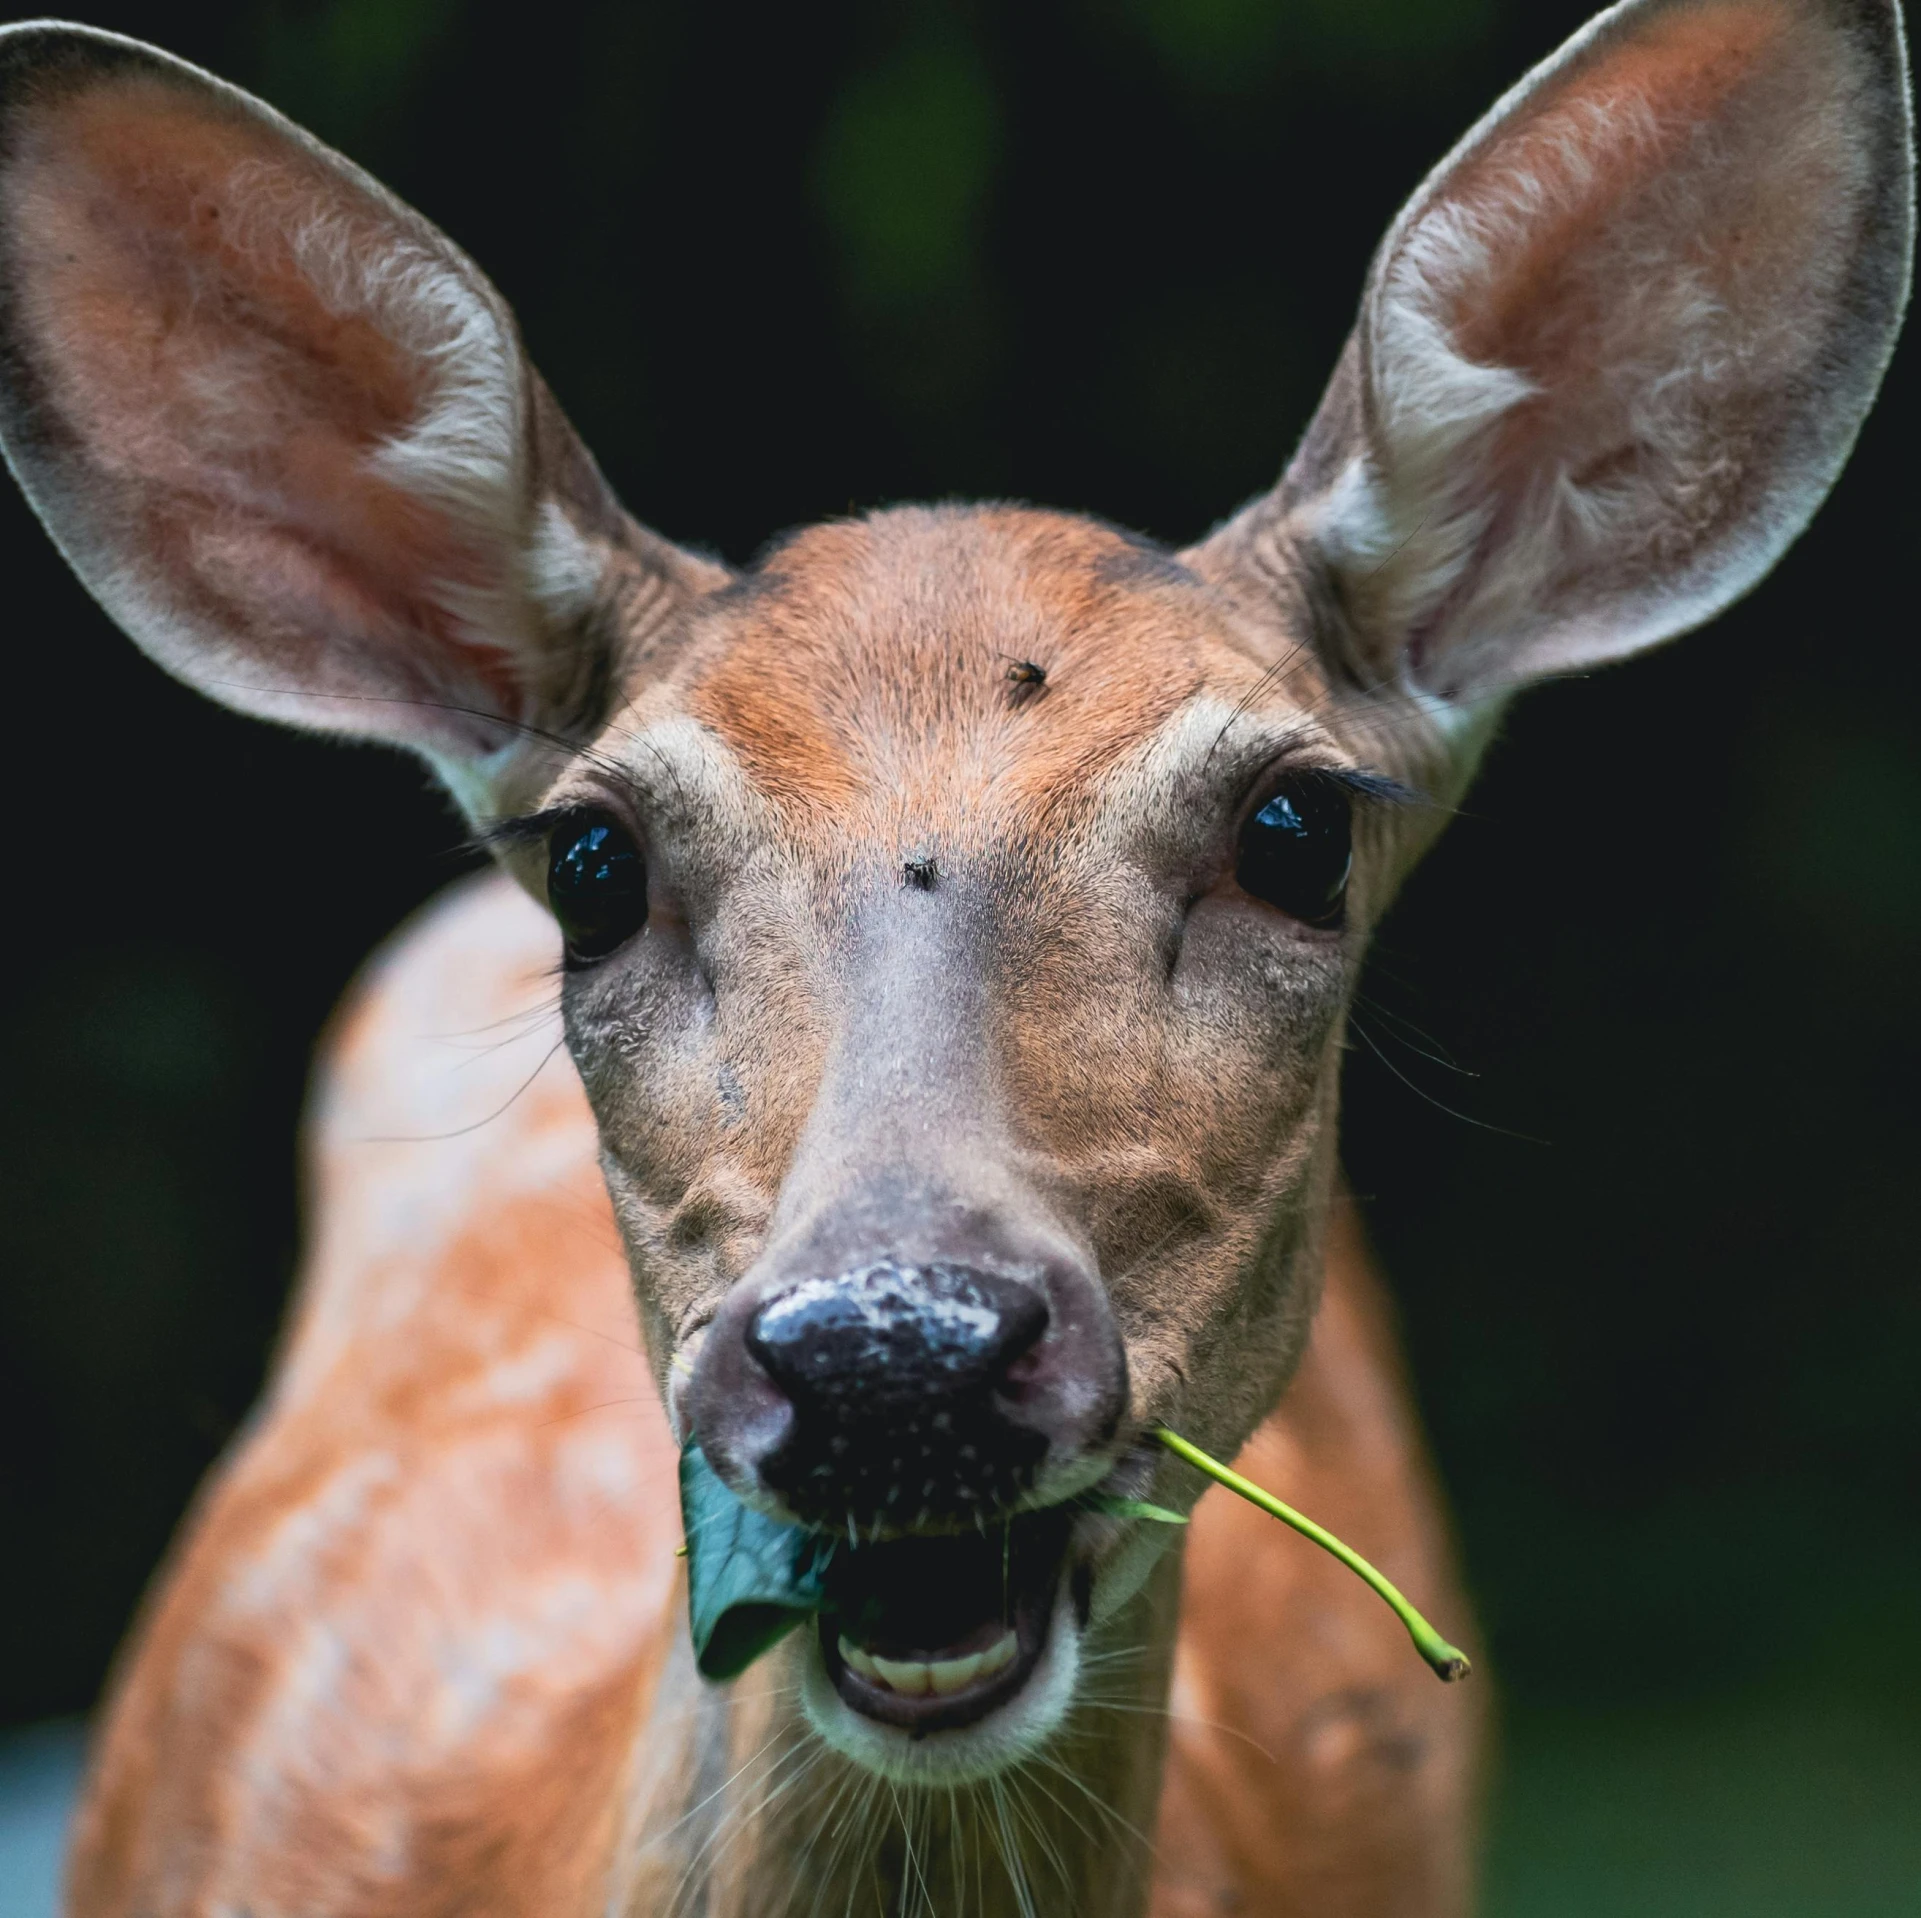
point(524, 829)
point(1357, 782)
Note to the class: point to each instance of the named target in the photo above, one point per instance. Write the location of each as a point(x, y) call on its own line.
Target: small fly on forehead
point(1025, 679)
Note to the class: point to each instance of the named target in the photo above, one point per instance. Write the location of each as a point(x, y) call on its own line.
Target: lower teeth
point(920, 1678)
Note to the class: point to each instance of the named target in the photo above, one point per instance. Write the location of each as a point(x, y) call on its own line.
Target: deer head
point(961, 905)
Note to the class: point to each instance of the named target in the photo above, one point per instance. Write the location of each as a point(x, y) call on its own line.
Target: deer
point(954, 916)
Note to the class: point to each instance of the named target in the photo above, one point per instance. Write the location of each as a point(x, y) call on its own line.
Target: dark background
point(1633, 1092)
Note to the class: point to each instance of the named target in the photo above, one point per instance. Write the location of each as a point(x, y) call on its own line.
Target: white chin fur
point(1003, 1738)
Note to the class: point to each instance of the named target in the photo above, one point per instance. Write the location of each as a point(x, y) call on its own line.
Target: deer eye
point(596, 884)
point(1297, 850)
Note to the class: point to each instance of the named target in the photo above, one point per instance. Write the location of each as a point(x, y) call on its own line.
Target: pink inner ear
point(1594, 181)
point(170, 308)
point(194, 287)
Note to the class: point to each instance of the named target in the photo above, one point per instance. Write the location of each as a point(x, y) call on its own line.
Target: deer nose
point(901, 1330)
point(906, 1385)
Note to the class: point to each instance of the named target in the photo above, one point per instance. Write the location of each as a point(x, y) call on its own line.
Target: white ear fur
point(1614, 352)
point(284, 429)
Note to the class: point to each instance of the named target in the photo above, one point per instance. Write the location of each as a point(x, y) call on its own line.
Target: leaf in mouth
point(751, 1579)
point(1111, 1507)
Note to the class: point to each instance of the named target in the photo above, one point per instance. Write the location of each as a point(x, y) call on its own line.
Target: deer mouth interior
point(932, 1632)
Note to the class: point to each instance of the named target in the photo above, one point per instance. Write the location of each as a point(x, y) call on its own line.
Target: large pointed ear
point(1613, 353)
point(284, 430)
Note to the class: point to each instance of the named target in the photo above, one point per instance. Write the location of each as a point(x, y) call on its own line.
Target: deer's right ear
point(284, 430)
point(1613, 353)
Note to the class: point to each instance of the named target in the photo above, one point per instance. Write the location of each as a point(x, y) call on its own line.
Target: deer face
point(958, 904)
point(964, 1049)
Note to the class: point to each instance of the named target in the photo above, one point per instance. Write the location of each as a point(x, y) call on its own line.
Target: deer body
point(959, 1048)
point(433, 1599)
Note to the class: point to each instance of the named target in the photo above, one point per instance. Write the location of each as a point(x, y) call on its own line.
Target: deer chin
point(947, 1659)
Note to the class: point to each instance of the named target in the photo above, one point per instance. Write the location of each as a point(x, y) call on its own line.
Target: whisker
point(1439, 1105)
point(461, 1132)
point(1094, 1798)
point(581, 1411)
point(1010, 1852)
point(1175, 1717)
point(1287, 660)
point(1424, 1044)
point(592, 1332)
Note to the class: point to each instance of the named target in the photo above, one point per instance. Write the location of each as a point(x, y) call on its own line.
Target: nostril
point(888, 1329)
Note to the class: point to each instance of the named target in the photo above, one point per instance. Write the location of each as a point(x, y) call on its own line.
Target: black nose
point(905, 1383)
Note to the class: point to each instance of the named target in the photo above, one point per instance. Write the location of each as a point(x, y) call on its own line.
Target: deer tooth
point(857, 1660)
point(940, 1677)
point(909, 1677)
point(999, 1655)
point(950, 1675)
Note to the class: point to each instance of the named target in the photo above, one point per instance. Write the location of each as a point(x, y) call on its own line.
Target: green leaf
point(1131, 1508)
point(750, 1578)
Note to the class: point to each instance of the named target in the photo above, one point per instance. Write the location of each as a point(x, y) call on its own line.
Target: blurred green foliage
point(906, 159)
point(345, 69)
point(1235, 46)
point(904, 169)
point(1793, 1802)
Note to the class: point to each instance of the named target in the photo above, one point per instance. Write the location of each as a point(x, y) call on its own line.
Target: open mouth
point(930, 1633)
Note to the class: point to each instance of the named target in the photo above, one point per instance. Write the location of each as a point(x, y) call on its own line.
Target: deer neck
point(749, 1815)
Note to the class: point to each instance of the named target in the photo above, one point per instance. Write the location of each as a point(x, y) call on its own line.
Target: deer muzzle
point(910, 1395)
point(932, 1411)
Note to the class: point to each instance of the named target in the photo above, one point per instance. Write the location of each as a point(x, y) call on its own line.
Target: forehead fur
point(870, 658)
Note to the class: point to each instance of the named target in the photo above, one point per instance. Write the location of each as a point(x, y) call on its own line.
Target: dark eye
point(596, 884)
point(1297, 850)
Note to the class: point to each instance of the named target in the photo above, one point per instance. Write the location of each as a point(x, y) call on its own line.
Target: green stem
point(1446, 1660)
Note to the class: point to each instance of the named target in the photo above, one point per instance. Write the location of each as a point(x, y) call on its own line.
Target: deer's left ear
point(1614, 352)
point(285, 432)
